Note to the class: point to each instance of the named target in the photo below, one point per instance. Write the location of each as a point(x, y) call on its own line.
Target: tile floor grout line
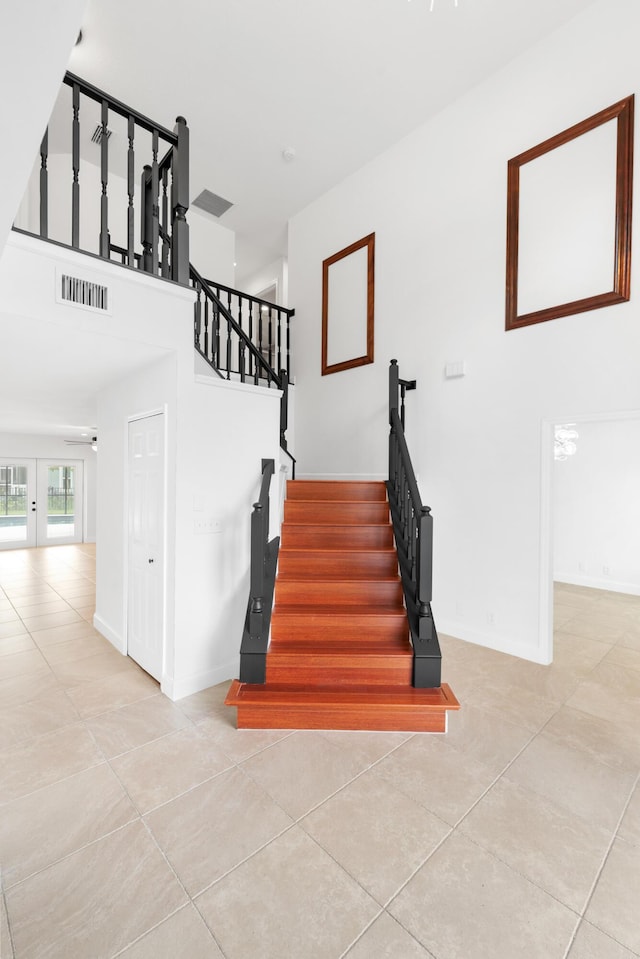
point(603, 863)
point(190, 898)
point(12, 945)
point(246, 859)
point(353, 942)
point(74, 852)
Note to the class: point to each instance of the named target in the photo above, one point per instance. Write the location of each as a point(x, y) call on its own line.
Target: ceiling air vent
point(93, 296)
point(99, 133)
point(211, 203)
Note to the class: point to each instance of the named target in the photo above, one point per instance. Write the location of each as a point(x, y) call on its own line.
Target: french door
point(41, 502)
point(18, 509)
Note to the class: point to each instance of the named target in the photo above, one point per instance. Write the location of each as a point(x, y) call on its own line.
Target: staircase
point(340, 655)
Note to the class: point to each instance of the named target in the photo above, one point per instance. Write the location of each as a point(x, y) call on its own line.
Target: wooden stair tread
point(329, 609)
point(338, 551)
point(345, 650)
point(353, 697)
point(327, 576)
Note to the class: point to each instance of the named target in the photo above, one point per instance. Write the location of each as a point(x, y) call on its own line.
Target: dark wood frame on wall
point(620, 293)
point(369, 242)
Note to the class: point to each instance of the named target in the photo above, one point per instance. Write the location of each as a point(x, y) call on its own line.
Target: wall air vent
point(99, 133)
point(211, 203)
point(92, 296)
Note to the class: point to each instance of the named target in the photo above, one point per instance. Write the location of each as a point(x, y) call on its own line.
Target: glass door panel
point(17, 503)
point(59, 502)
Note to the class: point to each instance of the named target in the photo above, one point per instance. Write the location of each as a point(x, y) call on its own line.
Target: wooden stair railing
point(340, 655)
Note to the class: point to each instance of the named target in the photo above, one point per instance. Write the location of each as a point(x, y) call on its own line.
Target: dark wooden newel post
point(180, 205)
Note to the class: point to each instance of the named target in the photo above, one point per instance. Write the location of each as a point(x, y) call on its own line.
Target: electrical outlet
point(582, 568)
point(491, 619)
point(606, 570)
point(204, 524)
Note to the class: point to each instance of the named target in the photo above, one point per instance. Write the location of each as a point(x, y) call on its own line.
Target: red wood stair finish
point(340, 655)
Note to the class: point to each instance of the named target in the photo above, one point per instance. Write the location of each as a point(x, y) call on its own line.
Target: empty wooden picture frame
point(347, 307)
point(569, 220)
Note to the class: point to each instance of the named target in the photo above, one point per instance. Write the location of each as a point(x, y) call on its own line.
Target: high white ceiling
point(337, 80)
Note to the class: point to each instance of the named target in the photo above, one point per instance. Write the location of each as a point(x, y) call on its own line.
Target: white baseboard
point(501, 644)
point(345, 477)
point(109, 633)
point(179, 688)
point(593, 582)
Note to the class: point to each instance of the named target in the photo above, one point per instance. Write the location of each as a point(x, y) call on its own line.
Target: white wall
point(596, 508)
point(149, 390)
point(437, 203)
point(217, 434)
point(211, 248)
point(53, 447)
point(36, 38)
point(224, 431)
point(275, 273)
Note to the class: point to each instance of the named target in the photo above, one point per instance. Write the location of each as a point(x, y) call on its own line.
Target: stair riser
point(331, 717)
point(339, 593)
point(335, 514)
point(333, 490)
point(332, 564)
point(349, 673)
point(336, 537)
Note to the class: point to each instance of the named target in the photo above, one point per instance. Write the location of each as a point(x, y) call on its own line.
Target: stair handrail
point(198, 282)
point(279, 380)
point(264, 559)
point(413, 532)
point(267, 323)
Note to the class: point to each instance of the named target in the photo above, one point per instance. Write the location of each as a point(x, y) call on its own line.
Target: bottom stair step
point(392, 708)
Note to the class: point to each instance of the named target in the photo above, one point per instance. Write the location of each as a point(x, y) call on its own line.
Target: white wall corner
point(177, 689)
point(111, 634)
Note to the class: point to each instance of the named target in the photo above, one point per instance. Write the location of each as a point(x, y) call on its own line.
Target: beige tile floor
point(132, 826)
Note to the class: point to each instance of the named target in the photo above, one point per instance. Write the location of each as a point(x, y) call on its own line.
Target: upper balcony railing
point(127, 179)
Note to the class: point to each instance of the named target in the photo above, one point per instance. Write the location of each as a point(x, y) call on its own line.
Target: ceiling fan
point(90, 441)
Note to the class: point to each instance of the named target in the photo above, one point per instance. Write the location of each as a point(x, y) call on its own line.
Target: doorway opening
point(590, 521)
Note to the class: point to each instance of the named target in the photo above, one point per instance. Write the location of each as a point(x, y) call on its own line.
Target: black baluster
point(279, 339)
point(197, 321)
point(44, 186)
point(75, 162)
point(412, 543)
point(270, 339)
point(165, 223)
point(146, 218)
point(228, 350)
point(242, 351)
point(290, 313)
point(251, 361)
point(216, 317)
point(260, 339)
point(105, 241)
point(206, 327)
point(131, 128)
point(241, 345)
point(155, 194)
